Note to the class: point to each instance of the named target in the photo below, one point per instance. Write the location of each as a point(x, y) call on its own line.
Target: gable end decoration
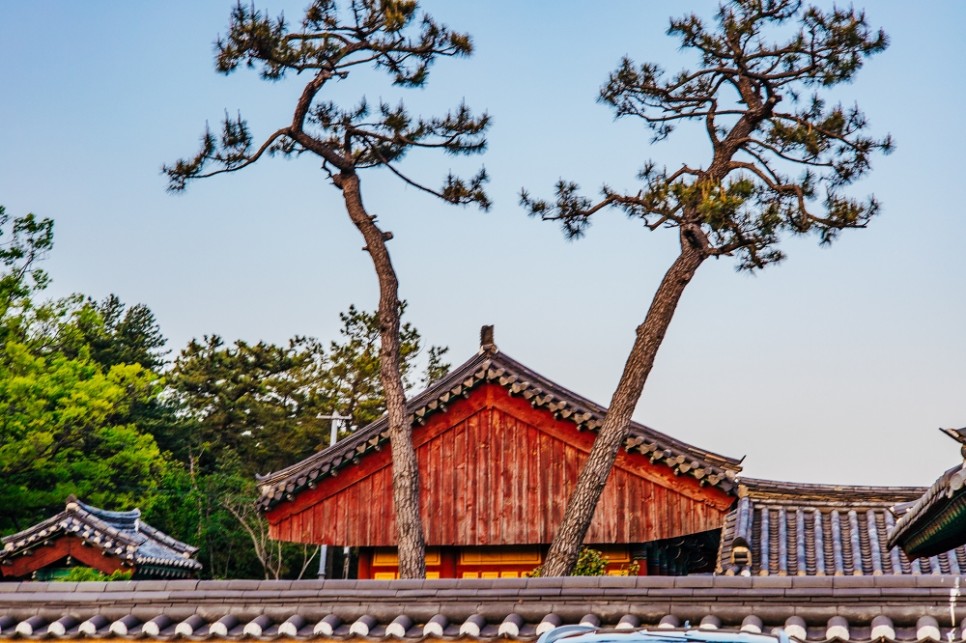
point(491, 366)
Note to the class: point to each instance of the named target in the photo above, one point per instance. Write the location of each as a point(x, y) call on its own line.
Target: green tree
point(62, 432)
point(328, 46)
point(591, 562)
point(88, 574)
point(24, 241)
point(780, 159)
point(194, 507)
point(260, 403)
point(351, 378)
point(121, 334)
point(256, 402)
point(65, 419)
point(109, 333)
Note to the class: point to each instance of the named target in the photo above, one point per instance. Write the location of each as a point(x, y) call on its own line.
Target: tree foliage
point(781, 159)
point(24, 241)
point(761, 105)
point(352, 376)
point(591, 562)
point(62, 422)
point(196, 507)
point(329, 44)
point(262, 402)
point(89, 574)
point(257, 401)
point(120, 334)
point(67, 422)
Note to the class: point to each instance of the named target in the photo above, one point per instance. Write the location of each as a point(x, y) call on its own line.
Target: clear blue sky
point(836, 366)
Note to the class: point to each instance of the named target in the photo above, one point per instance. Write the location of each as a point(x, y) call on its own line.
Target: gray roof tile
point(733, 601)
point(815, 530)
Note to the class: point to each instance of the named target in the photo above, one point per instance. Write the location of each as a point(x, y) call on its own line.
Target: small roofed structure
point(937, 520)
point(108, 541)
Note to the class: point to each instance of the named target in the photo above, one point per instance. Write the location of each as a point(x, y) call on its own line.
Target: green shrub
point(84, 574)
point(591, 562)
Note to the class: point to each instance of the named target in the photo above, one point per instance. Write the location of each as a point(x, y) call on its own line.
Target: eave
point(937, 521)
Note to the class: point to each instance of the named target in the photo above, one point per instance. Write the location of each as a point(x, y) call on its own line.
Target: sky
point(836, 366)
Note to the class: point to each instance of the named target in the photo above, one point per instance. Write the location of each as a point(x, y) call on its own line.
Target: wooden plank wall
point(496, 471)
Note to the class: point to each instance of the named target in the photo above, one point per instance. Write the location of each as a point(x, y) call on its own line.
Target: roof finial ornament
point(487, 344)
point(960, 436)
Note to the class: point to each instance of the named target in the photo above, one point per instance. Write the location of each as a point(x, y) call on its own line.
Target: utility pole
point(333, 418)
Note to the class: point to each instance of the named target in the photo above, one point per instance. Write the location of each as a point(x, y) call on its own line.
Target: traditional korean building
point(108, 541)
point(937, 520)
point(499, 448)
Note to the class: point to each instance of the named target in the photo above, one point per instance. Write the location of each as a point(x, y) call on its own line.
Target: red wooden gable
point(497, 471)
point(58, 549)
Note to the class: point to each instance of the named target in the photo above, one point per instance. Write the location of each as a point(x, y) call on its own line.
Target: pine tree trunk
point(614, 430)
point(405, 471)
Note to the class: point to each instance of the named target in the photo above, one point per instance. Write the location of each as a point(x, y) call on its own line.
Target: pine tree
point(329, 45)
point(781, 157)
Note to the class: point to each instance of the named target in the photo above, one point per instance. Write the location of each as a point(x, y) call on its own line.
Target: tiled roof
point(935, 522)
point(781, 528)
point(119, 533)
point(885, 608)
point(494, 367)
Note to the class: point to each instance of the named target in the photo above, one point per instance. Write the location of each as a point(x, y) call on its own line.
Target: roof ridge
point(165, 539)
point(95, 520)
point(105, 514)
point(843, 609)
point(33, 529)
point(762, 486)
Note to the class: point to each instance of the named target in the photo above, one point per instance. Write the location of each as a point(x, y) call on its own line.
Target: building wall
point(485, 562)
